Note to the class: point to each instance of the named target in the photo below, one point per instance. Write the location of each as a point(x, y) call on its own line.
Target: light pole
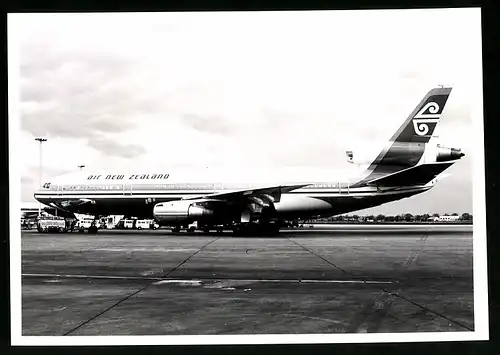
point(41, 140)
point(81, 166)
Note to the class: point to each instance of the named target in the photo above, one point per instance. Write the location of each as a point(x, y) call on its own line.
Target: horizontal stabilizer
point(415, 176)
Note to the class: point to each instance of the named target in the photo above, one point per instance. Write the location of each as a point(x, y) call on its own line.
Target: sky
point(249, 90)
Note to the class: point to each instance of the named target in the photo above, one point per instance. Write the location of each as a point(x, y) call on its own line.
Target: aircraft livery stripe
point(174, 195)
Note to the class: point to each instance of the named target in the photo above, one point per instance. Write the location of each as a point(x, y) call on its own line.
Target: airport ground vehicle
point(54, 224)
point(126, 224)
point(27, 223)
point(146, 224)
point(87, 224)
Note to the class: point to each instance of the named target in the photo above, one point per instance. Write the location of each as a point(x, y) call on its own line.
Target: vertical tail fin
point(407, 145)
point(420, 125)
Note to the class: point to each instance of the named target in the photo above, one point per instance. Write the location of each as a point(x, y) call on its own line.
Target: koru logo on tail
point(422, 118)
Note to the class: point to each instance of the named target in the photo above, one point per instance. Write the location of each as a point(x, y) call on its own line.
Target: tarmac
point(340, 279)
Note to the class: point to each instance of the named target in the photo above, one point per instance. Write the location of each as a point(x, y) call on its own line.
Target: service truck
point(85, 224)
point(47, 225)
point(146, 224)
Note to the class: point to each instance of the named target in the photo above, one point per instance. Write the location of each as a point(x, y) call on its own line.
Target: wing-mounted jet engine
point(188, 211)
point(226, 207)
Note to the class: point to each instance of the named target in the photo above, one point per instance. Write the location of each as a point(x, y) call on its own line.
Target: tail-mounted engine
point(447, 154)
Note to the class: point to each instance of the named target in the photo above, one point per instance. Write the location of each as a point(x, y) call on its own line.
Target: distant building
point(444, 218)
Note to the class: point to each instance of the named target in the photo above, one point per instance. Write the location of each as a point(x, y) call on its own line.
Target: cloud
point(26, 180)
point(109, 147)
point(30, 179)
point(210, 124)
point(77, 93)
point(70, 108)
point(110, 90)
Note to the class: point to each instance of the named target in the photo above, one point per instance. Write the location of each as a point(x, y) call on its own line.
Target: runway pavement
point(159, 283)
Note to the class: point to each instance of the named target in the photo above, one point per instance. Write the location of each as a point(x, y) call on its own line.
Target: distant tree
point(466, 217)
point(380, 218)
point(389, 218)
point(455, 214)
point(408, 217)
point(435, 215)
point(418, 218)
point(397, 218)
point(425, 217)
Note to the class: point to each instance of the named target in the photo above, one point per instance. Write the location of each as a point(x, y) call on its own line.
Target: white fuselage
point(136, 194)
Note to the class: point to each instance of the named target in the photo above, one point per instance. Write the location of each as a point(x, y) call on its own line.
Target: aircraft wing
point(417, 175)
point(272, 193)
point(69, 204)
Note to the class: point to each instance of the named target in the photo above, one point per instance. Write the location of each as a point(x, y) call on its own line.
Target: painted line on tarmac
point(163, 280)
point(111, 277)
point(386, 303)
point(379, 231)
point(139, 290)
point(277, 281)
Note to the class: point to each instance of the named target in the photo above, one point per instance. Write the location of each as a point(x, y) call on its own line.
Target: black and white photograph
point(260, 177)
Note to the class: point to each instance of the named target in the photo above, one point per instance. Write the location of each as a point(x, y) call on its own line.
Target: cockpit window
point(46, 185)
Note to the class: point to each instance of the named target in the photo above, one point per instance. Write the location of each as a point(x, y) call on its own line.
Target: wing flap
point(272, 193)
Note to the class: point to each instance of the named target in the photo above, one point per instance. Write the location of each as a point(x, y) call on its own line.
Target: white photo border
point(481, 324)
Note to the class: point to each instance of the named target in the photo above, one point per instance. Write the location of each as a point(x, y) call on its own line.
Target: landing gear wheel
point(176, 229)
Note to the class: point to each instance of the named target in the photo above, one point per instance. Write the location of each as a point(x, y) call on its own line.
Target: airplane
point(408, 164)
